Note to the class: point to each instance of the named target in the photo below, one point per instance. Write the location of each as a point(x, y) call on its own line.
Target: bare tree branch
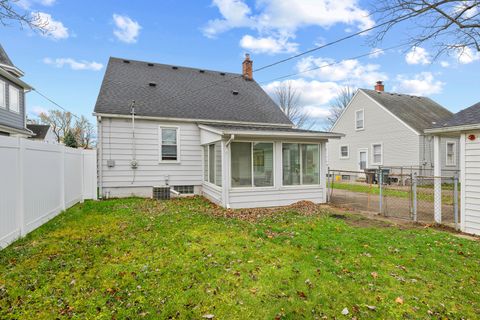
point(10, 13)
point(447, 25)
point(288, 99)
point(339, 104)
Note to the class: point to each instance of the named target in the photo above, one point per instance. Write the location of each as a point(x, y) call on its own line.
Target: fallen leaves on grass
point(399, 300)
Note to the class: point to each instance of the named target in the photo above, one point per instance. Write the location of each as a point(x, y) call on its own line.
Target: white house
point(466, 125)
point(386, 129)
point(203, 132)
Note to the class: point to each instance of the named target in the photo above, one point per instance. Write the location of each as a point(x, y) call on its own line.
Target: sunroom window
point(252, 164)
point(213, 163)
point(301, 164)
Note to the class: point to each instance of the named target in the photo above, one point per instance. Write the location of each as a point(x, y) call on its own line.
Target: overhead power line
point(56, 104)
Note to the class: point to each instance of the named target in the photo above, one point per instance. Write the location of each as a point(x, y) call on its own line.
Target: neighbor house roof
point(471, 115)
point(417, 112)
point(166, 91)
point(4, 59)
point(40, 130)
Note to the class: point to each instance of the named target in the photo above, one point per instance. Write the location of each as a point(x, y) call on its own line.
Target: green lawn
point(133, 258)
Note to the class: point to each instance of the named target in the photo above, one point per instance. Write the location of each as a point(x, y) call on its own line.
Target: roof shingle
point(471, 115)
point(161, 90)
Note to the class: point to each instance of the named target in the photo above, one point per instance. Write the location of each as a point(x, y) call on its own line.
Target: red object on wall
point(471, 137)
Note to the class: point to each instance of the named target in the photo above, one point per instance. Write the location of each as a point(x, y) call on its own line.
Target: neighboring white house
point(386, 129)
point(42, 132)
point(466, 125)
point(203, 132)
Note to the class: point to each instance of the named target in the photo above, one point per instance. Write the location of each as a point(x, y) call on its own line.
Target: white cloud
point(350, 72)
point(268, 45)
point(445, 64)
point(53, 29)
point(421, 84)
point(467, 55)
point(74, 64)
point(27, 4)
point(417, 55)
point(37, 110)
point(278, 20)
point(376, 52)
point(127, 30)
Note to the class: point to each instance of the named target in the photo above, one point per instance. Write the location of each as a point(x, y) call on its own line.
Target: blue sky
point(68, 63)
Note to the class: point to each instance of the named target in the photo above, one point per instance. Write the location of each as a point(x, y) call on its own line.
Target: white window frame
point(160, 127)
point(301, 185)
point(366, 158)
point(10, 89)
point(214, 164)
point(454, 143)
point(348, 151)
point(363, 119)
point(373, 154)
point(252, 169)
point(3, 104)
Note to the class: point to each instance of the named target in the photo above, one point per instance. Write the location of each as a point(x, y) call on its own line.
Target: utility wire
point(56, 104)
point(334, 63)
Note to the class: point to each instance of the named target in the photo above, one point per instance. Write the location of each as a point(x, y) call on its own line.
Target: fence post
point(455, 200)
point(414, 195)
point(62, 178)
point(20, 191)
point(328, 185)
point(380, 185)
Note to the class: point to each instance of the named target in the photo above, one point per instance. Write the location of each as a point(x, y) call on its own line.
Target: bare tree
point(339, 104)
point(60, 121)
point(83, 131)
point(10, 12)
point(451, 26)
point(288, 99)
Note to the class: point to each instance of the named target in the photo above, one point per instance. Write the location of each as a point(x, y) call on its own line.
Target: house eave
point(200, 121)
point(15, 80)
point(12, 130)
point(453, 129)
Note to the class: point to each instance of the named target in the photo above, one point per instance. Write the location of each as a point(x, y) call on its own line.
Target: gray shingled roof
point(471, 115)
point(184, 93)
point(262, 128)
point(4, 59)
point(40, 130)
point(418, 112)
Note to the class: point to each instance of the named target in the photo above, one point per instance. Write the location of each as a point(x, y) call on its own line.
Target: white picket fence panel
point(38, 181)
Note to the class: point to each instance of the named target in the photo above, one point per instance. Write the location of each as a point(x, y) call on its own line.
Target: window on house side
point(211, 163)
point(359, 120)
point(14, 99)
point(344, 152)
point(301, 164)
point(169, 144)
point(377, 153)
point(451, 153)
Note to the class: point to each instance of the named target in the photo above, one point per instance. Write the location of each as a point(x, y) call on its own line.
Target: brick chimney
point(247, 68)
point(379, 86)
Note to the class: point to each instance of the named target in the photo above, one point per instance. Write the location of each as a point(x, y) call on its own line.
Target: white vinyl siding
point(470, 188)
point(377, 154)
point(3, 94)
point(360, 119)
point(451, 153)
point(14, 99)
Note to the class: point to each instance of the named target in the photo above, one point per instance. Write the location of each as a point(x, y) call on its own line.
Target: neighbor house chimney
point(247, 68)
point(379, 86)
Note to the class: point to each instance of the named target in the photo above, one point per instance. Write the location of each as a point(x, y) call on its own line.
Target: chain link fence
point(405, 193)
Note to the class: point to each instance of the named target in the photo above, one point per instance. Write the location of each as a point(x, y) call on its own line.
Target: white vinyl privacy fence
point(38, 181)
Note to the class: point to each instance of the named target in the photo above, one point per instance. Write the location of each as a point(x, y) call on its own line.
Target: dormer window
point(360, 119)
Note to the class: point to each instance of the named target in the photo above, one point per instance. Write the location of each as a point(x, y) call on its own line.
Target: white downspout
point(100, 156)
point(226, 168)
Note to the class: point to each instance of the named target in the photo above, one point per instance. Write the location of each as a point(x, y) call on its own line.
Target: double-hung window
point(300, 164)
point(252, 164)
point(3, 94)
point(451, 153)
point(377, 153)
point(14, 99)
point(360, 119)
point(344, 152)
point(169, 144)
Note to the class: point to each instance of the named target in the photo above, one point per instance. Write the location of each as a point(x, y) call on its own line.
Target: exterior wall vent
point(161, 193)
point(234, 92)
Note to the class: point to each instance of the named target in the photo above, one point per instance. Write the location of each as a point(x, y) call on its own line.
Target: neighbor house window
point(344, 152)
point(359, 119)
point(451, 153)
point(3, 96)
point(169, 144)
point(252, 164)
point(377, 152)
point(300, 164)
point(213, 163)
point(14, 99)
